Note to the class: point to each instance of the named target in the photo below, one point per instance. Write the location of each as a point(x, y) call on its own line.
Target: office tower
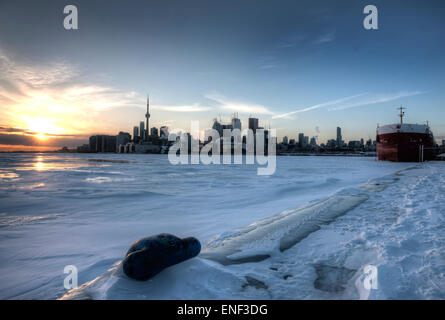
point(135, 132)
point(154, 132)
point(141, 130)
point(253, 124)
point(339, 138)
point(285, 140)
point(102, 143)
point(301, 140)
point(313, 142)
point(236, 122)
point(122, 138)
point(164, 132)
point(218, 127)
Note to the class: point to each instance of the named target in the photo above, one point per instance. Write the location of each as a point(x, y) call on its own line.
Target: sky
point(298, 66)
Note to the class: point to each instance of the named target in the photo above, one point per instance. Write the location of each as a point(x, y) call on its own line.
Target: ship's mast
point(401, 114)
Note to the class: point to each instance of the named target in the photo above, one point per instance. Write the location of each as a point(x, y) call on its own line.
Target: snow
point(335, 216)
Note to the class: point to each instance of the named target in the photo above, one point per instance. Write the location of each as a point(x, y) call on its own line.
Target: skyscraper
point(305, 141)
point(301, 140)
point(253, 124)
point(141, 130)
point(236, 122)
point(218, 127)
point(135, 132)
point(164, 132)
point(313, 142)
point(339, 138)
point(154, 132)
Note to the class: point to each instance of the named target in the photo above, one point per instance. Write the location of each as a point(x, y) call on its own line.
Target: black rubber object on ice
point(149, 256)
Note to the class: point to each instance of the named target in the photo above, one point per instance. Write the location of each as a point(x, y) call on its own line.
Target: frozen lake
point(87, 209)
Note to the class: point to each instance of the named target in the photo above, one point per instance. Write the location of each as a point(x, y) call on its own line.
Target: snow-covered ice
point(315, 224)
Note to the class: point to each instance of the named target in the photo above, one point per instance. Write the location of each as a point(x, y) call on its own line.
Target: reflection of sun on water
point(39, 164)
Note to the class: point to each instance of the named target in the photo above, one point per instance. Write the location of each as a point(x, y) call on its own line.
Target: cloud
point(8, 130)
point(240, 107)
point(317, 106)
point(327, 37)
point(181, 108)
point(58, 99)
point(32, 140)
point(376, 98)
point(53, 73)
point(362, 99)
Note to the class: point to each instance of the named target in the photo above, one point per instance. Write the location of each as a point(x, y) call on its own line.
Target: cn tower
point(147, 116)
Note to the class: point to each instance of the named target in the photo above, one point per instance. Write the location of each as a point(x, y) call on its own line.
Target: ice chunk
point(260, 240)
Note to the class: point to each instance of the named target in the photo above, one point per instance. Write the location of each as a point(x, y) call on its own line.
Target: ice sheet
point(86, 210)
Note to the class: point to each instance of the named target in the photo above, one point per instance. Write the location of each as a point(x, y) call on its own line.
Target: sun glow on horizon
point(41, 136)
point(42, 127)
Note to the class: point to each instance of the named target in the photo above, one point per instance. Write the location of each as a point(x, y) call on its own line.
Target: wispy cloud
point(268, 61)
point(316, 106)
point(181, 108)
point(240, 107)
point(362, 99)
point(370, 99)
point(324, 38)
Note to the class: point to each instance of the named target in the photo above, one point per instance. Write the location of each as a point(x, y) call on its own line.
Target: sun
point(42, 128)
point(41, 136)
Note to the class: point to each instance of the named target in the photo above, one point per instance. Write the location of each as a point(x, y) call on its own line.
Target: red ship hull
point(405, 147)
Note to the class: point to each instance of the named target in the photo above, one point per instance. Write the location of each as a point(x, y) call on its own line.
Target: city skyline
point(298, 67)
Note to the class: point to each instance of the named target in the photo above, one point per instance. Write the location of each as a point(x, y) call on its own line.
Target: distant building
point(135, 132)
point(236, 123)
point(164, 132)
point(121, 139)
point(331, 144)
point(305, 142)
point(141, 130)
point(253, 124)
point(154, 132)
point(102, 143)
point(443, 142)
point(227, 126)
point(292, 141)
point(83, 148)
point(355, 144)
point(301, 140)
point(313, 142)
point(285, 140)
point(218, 127)
point(339, 138)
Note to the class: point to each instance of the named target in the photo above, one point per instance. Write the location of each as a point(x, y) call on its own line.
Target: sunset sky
point(299, 66)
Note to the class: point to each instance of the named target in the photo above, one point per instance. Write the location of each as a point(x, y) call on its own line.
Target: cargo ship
point(404, 142)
